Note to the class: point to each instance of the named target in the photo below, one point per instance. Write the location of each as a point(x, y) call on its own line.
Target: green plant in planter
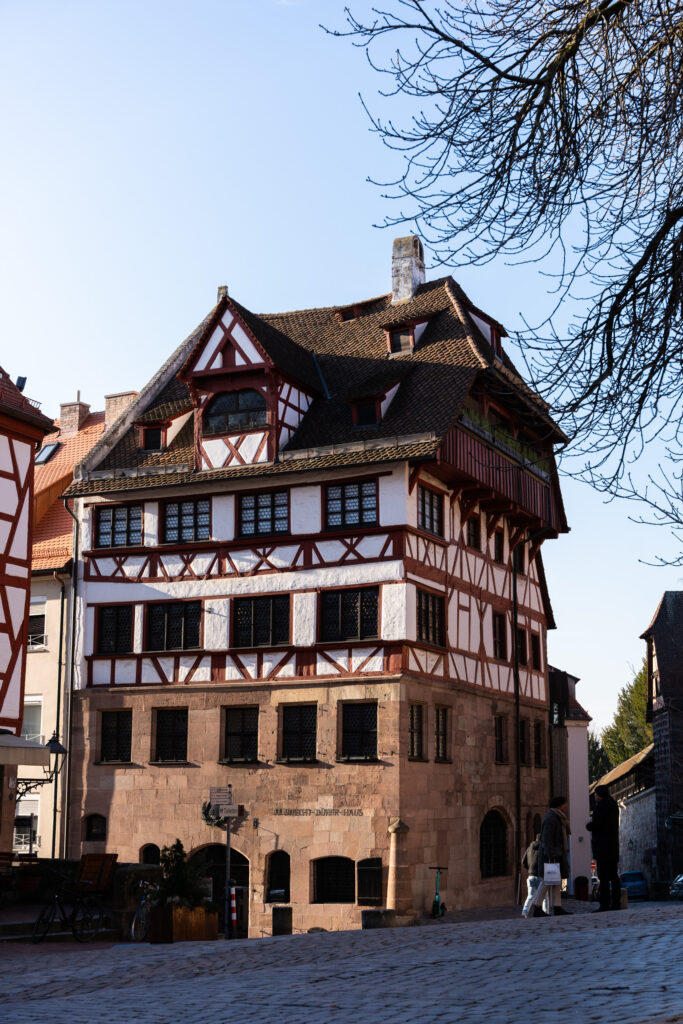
point(181, 882)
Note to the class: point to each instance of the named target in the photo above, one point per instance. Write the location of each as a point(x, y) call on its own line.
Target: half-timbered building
point(311, 568)
point(22, 427)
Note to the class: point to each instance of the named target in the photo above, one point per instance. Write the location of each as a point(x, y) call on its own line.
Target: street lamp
point(57, 754)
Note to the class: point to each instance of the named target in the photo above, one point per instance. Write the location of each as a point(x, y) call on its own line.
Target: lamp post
point(58, 754)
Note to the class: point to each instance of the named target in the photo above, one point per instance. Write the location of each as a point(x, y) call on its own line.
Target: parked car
point(635, 884)
point(676, 890)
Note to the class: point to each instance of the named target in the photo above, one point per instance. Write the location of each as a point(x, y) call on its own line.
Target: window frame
point(100, 609)
point(539, 744)
point(89, 821)
point(473, 532)
point(522, 647)
point(369, 882)
point(195, 502)
point(346, 524)
point(272, 493)
point(442, 748)
point(245, 734)
point(500, 739)
point(431, 618)
point(33, 702)
point(101, 510)
point(36, 639)
point(524, 741)
point(286, 711)
point(429, 496)
point(238, 602)
point(105, 713)
point(167, 606)
point(417, 721)
point(493, 859)
point(500, 644)
point(536, 656)
point(237, 429)
point(325, 598)
point(145, 435)
point(159, 716)
point(499, 547)
point(362, 734)
point(316, 883)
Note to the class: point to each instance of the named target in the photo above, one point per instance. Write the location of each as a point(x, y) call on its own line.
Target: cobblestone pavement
point(621, 968)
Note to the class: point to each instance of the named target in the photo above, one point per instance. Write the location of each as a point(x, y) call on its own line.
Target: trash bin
point(581, 887)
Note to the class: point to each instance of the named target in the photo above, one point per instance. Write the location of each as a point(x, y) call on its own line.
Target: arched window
point(235, 411)
point(277, 874)
point(150, 854)
point(95, 828)
point(370, 882)
point(493, 845)
point(334, 880)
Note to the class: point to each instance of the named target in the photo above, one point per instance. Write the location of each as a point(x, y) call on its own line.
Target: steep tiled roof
point(419, 449)
point(626, 766)
point(336, 358)
point(53, 526)
point(16, 404)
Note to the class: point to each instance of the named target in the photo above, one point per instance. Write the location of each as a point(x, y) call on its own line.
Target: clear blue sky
point(152, 151)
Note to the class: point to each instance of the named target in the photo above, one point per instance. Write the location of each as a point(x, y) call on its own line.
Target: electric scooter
point(438, 906)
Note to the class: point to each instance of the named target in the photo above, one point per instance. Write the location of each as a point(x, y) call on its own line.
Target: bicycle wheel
point(85, 920)
point(140, 926)
point(44, 922)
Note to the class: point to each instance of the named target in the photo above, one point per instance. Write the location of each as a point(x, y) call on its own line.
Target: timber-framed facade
point(316, 599)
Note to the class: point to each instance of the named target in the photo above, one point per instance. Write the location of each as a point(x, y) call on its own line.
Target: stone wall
point(638, 834)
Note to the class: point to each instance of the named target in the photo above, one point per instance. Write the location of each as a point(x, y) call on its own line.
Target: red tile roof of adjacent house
point(53, 526)
point(15, 403)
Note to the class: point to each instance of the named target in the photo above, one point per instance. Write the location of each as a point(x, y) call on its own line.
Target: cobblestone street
point(621, 968)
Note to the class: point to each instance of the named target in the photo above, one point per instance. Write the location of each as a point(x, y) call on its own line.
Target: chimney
point(115, 404)
point(72, 415)
point(222, 292)
point(407, 268)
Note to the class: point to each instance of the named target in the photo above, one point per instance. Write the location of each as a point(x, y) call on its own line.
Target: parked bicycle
point(78, 911)
point(139, 929)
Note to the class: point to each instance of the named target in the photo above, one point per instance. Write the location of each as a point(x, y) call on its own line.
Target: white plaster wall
point(482, 325)
point(304, 619)
point(8, 496)
point(209, 349)
point(138, 621)
point(388, 400)
point(419, 330)
point(305, 509)
point(393, 498)
point(223, 517)
point(410, 599)
point(272, 583)
point(240, 336)
point(5, 456)
point(216, 620)
point(150, 523)
point(89, 629)
point(579, 805)
point(394, 611)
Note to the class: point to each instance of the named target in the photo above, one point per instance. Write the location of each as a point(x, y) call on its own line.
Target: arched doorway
point(211, 862)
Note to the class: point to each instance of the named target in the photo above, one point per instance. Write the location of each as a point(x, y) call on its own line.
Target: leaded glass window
point(261, 621)
point(416, 732)
point(241, 734)
point(359, 731)
point(430, 618)
point(173, 626)
point(350, 614)
point(299, 725)
point(186, 521)
point(430, 511)
point(234, 412)
point(171, 734)
point(114, 629)
point(352, 504)
point(441, 734)
point(117, 729)
point(118, 527)
point(263, 513)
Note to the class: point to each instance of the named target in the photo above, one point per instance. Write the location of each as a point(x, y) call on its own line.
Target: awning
point(14, 750)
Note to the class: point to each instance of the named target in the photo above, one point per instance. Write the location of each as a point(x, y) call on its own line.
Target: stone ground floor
point(613, 968)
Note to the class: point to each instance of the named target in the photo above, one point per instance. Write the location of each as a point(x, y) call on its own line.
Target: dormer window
point(366, 413)
point(152, 439)
point(401, 340)
point(234, 412)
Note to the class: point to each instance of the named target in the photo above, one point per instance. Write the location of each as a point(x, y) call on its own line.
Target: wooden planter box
point(183, 924)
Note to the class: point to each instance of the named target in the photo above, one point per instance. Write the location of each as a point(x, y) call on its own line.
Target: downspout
point(58, 723)
point(518, 768)
point(72, 658)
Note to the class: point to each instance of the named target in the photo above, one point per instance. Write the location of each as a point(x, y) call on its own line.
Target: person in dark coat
point(553, 848)
point(604, 827)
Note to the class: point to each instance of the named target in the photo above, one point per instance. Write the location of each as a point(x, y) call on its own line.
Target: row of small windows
point(345, 615)
point(262, 514)
point(298, 726)
point(500, 725)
